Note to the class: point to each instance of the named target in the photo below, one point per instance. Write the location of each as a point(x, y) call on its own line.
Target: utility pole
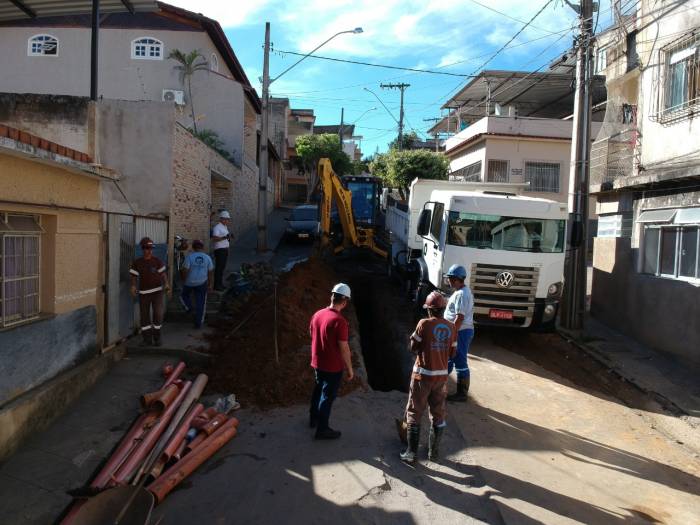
point(435, 137)
point(574, 300)
point(401, 87)
point(262, 163)
point(340, 128)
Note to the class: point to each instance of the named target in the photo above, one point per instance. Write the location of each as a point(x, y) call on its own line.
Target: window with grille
point(672, 248)
point(497, 171)
point(147, 48)
point(20, 256)
point(682, 75)
point(601, 60)
point(43, 45)
point(542, 176)
point(471, 173)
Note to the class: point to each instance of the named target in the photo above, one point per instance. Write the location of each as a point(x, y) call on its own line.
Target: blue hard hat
point(457, 271)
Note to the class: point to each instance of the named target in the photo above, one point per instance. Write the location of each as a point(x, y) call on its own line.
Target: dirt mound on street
point(244, 361)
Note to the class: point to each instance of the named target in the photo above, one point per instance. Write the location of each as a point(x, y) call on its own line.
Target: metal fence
point(614, 157)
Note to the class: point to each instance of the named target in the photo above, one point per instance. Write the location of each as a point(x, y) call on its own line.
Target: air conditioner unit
point(174, 95)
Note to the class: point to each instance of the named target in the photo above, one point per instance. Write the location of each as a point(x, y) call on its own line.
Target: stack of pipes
point(173, 436)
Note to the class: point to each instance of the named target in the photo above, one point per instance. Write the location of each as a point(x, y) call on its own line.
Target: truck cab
point(512, 246)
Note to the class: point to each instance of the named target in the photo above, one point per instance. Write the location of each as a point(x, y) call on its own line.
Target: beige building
point(645, 164)
point(300, 122)
point(52, 303)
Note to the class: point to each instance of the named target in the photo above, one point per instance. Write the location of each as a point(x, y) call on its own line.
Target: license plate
point(501, 314)
point(303, 235)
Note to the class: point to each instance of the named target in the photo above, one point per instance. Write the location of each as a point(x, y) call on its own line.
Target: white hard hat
point(224, 215)
point(342, 289)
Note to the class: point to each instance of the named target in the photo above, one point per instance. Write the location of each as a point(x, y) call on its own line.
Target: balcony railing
point(615, 157)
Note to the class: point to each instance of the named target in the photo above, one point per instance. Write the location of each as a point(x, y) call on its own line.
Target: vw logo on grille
point(504, 279)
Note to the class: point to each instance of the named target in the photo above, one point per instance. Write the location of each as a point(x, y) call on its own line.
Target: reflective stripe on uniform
point(143, 292)
point(157, 326)
point(146, 327)
point(416, 337)
point(425, 371)
point(133, 272)
point(161, 270)
point(461, 369)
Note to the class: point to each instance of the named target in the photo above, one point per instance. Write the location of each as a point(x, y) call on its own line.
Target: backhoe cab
point(357, 211)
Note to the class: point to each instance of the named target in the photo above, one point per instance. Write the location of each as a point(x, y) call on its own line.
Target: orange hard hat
point(435, 300)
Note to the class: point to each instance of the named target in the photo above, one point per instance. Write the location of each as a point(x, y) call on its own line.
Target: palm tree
point(188, 65)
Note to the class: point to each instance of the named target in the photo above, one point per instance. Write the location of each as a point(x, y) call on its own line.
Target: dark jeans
point(200, 301)
point(325, 392)
point(220, 258)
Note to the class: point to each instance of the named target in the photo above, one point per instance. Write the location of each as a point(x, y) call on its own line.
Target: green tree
point(407, 141)
point(211, 138)
point(398, 168)
point(312, 148)
point(188, 65)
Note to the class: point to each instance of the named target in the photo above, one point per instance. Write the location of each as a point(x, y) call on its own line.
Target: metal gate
point(123, 234)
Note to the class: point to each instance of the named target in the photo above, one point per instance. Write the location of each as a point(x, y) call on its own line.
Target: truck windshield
point(363, 200)
point(497, 232)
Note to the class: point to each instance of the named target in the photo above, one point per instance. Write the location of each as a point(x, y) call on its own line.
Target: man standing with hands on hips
point(330, 354)
point(460, 311)
point(221, 237)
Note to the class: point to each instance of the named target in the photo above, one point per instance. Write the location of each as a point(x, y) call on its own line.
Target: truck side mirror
point(424, 222)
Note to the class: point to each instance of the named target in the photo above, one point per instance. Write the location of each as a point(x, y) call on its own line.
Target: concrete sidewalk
point(666, 381)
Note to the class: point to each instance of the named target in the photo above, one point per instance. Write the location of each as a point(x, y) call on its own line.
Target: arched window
point(214, 63)
point(147, 48)
point(42, 45)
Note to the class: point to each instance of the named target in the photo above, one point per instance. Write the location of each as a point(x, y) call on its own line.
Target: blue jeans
point(325, 392)
point(200, 301)
point(459, 363)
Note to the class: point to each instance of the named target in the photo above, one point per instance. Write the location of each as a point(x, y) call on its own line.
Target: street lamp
point(262, 168)
point(358, 118)
point(382, 103)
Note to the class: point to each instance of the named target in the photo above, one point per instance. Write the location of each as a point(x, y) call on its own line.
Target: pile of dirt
point(244, 344)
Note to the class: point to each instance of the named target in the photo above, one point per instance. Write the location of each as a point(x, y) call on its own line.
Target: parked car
point(302, 222)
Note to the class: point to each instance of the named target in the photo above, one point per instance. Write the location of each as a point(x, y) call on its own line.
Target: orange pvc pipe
point(180, 450)
point(131, 465)
point(175, 374)
point(127, 444)
point(215, 423)
point(163, 399)
point(181, 432)
point(195, 442)
point(162, 486)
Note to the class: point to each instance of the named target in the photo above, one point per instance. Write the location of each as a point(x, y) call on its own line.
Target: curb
point(684, 431)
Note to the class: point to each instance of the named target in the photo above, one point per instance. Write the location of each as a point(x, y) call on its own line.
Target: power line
point(521, 44)
point(506, 15)
point(385, 66)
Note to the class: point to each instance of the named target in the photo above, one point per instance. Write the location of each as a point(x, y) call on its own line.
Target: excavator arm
point(333, 190)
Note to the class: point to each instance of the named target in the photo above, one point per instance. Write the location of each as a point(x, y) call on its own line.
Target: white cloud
point(452, 29)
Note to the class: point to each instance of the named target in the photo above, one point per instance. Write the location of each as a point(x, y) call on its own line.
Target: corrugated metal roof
point(534, 94)
point(12, 10)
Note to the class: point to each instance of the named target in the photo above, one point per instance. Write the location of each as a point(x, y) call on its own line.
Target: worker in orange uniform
point(434, 341)
point(149, 280)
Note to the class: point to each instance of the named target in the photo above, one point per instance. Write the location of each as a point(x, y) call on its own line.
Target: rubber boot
point(401, 429)
point(156, 339)
point(413, 437)
point(434, 443)
point(147, 339)
point(462, 389)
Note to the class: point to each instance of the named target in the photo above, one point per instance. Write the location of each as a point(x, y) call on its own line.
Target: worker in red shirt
point(149, 280)
point(330, 354)
point(434, 342)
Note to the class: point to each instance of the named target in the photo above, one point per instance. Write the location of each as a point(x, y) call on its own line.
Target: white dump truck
point(512, 246)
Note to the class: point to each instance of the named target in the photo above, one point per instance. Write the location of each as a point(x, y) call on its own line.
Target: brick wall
point(196, 191)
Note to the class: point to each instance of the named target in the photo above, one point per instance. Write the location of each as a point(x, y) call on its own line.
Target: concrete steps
point(175, 312)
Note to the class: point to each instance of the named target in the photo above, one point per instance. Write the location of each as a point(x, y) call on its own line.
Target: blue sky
point(455, 36)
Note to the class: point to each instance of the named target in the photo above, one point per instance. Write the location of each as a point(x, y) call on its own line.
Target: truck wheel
point(422, 293)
